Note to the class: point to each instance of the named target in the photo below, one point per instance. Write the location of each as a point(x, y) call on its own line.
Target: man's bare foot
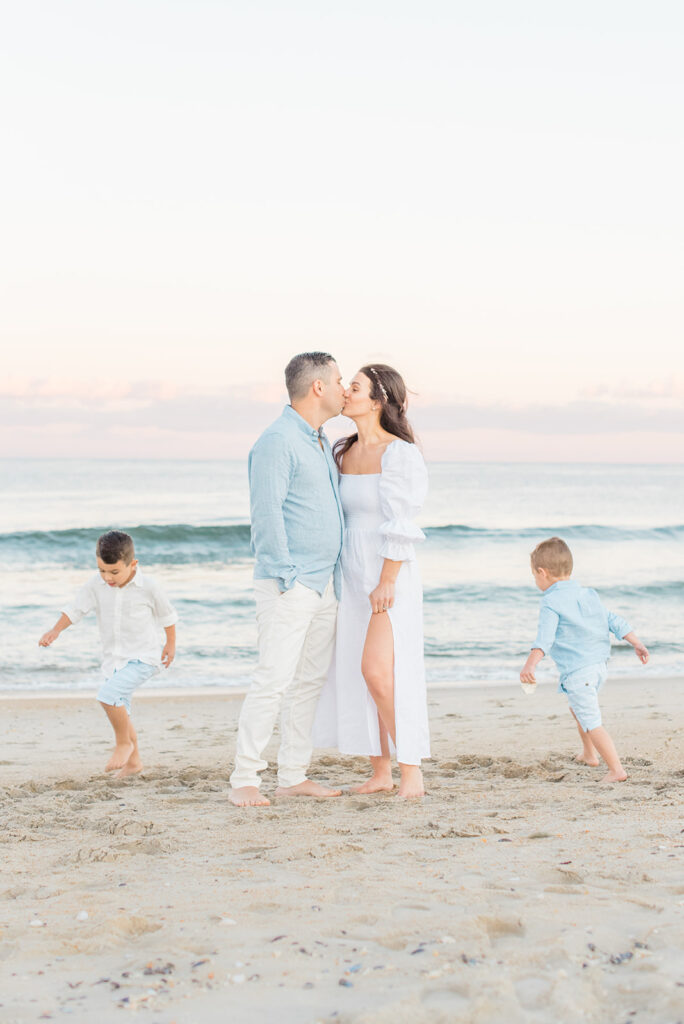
point(411, 786)
point(120, 756)
point(130, 768)
point(308, 788)
point(376, 784)
point(615, 776)
point(248, 796)
point(593, 762)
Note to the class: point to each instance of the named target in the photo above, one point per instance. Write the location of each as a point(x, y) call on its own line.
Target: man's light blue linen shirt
point(574, 627)
point(296, 513)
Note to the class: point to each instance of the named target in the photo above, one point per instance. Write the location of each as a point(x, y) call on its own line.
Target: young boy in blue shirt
point(574, 628)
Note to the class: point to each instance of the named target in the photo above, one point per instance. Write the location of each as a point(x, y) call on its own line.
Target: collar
point(299, 422)
point(137, 579)
point(560, 583)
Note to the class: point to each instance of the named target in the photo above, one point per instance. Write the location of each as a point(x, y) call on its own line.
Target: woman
point(374, 699)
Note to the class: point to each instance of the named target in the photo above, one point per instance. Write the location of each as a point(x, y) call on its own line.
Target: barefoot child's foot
point(308, 788)
point(132, 767)
point(376, 784)
point(120, 756)
point(248, 796)
point(593, 762)
point(620, 776)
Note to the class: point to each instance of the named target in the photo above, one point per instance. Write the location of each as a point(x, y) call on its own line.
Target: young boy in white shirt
point(574, 628)
point(131, 609)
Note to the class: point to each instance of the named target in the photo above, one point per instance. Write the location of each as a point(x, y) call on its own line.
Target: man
point(297, 527)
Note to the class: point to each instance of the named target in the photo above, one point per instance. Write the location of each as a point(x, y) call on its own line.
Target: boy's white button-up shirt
point(130, 619)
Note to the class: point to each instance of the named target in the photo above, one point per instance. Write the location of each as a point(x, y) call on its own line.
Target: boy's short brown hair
point(554, 555)
point(115, 546)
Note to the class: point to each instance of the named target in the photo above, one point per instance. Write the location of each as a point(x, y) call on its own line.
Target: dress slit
point(372, 709)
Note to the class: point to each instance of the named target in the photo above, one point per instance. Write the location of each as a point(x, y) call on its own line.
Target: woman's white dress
point(378, 510)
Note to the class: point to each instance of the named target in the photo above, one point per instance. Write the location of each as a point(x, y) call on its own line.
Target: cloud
point(54, 418)
point(578, 417)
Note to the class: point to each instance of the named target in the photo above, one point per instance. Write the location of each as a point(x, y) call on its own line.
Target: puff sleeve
point(403, 487)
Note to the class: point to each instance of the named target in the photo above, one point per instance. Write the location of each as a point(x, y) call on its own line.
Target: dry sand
point(518, 890)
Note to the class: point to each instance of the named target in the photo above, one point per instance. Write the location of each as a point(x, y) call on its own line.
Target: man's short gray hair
point(303, 370)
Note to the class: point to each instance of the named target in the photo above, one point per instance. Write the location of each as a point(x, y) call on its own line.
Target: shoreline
point(232, 692)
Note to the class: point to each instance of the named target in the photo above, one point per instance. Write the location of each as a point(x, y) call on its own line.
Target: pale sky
point(486, 195)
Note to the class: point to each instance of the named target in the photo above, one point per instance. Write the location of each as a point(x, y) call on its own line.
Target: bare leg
point(377, 665)
point(606, 748)
point(588, 755)
point(124, 745)
point(381, 780)
point(133, 765)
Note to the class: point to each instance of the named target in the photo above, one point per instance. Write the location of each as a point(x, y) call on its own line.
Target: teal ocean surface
point(190, 522)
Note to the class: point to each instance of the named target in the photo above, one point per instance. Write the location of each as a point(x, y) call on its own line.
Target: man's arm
point(270, 472)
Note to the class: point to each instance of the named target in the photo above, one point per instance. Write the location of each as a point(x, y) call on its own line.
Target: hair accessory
point(379, 383)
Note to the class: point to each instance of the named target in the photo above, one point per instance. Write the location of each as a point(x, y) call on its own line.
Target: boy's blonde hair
point(554, 555)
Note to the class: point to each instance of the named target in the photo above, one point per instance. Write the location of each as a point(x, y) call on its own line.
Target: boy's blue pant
point(582, 689)
point(118, 689)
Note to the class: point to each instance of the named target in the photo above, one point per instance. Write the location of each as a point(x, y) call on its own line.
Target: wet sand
point(518, 890)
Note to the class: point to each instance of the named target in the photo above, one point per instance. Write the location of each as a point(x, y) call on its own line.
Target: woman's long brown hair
point(388, 388)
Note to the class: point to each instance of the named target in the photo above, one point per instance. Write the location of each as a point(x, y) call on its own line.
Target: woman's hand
point(382, 597)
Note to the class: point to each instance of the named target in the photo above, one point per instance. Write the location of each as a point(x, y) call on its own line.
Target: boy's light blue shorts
point(118, 689)
point(582, 690)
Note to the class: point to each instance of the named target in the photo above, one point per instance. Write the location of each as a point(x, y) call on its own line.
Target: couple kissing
point(338, 589)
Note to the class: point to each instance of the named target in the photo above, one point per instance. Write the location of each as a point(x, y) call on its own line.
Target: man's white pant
point(296, 632)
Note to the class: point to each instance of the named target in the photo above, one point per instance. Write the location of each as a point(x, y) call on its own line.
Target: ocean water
point(625, 525)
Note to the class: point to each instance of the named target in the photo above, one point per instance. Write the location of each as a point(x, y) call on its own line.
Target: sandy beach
point(519, 889)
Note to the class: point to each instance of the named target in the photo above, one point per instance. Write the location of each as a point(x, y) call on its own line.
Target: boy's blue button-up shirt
point(574, 627)
point(296, 513)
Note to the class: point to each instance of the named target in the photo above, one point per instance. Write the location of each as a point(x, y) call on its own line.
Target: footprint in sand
point(132, 828)
point(452, 1000)
point(533, 993)
point(497, 928)
point(405, 911)
point(131, 925)
point(393, 940)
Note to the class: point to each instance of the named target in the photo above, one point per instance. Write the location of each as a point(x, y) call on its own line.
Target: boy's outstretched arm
point(527, 674)
point(640, 649)
point(546, 634)
point(169, 652)
point(63, 622)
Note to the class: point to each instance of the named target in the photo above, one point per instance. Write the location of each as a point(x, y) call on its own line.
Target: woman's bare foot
point(120, 755)
point(248, 796)
point(612, 776)
point(308, 788)
point(593, 762)
point(411, 786)
point(376, 784)
point(132, 767)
